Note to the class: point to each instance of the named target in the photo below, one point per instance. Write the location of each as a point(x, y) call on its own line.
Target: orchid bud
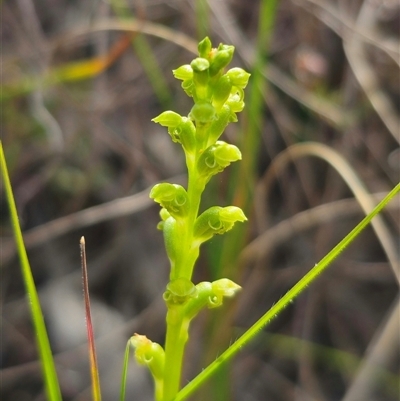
point(184, 72)
point(199, 64)
point(202, 112)
point(235, 101)
point(220, 289)
point(217, 127)
point(210, 295)
point(172, 197)
point(171, 239)
point(204, 47)
point(221, 58)
point(238, 77)
point(181, 129)
point(217, 157)
point(188, 87)
point(200, 77)
point(216, 220)
point(186, 132)
point(221, 91)
point(150, 354)
point(168, 119)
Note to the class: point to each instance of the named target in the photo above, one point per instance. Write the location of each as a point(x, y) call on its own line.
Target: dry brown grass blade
point(378, 355)
point(355, 52)
point(347, 173)
point(84, 218)
point(134, 26)
point(333, 114)
point(330, 112)
point(343, 26)
point(300, 222)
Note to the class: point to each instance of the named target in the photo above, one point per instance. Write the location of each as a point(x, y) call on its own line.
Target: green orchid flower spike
point(218, 95)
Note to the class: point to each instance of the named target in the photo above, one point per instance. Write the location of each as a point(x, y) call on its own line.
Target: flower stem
point(177, 325)
point(177, 336)
point(217, 98)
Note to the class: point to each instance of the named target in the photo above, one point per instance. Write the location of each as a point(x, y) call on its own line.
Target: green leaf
point(46, 358)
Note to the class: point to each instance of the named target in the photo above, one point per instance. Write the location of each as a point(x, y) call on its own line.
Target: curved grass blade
point(296, 290)
point(52, 386)
point(125, 371)
point(94, 370)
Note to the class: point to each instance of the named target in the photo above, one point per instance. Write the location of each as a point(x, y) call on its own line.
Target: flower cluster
point(218, 95)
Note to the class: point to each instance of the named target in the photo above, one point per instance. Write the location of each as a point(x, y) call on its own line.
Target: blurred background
point(81, 81)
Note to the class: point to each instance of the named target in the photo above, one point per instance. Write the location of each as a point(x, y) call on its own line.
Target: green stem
point(159, 389)
point(195, 189)
point(188, 255)
point(202, 18)
point(177, 325)
point(49, 373)
point(182, 245)
point(177, 336)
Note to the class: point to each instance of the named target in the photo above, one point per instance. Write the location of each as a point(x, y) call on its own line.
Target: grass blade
point(125, 371)
point(52, 386)
point(296, 290)
point(94, 370)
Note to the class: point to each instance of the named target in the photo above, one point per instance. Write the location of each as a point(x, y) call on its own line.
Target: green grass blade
point(125, 371)
point(255, 104)
point(202, 19)
point(47, 362)
point(297, 289)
